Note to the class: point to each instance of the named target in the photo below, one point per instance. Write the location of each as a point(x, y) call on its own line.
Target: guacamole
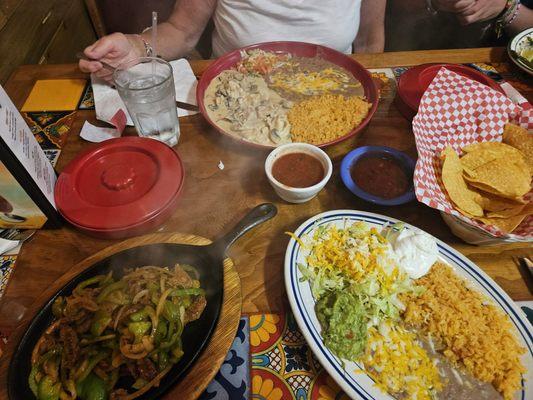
point(342, 317)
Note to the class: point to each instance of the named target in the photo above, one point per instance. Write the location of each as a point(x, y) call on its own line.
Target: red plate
point(121, 187)
point(413, 83)
point(300, 49)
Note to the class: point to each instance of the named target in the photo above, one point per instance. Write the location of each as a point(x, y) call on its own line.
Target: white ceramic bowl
point(298, 195)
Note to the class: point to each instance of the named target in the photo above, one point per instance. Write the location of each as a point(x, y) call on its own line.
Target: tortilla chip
point(519, 138)
point(487, 189)
point(506, 225)
point(459, 193)
point(510, 178)
point(494, 203)
point(524, 209)
point(479, 154)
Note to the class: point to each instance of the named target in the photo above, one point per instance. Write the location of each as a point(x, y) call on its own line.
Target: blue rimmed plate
point(360, 386)
point(516, 47)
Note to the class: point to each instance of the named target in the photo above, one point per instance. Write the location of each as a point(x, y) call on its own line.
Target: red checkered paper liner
point(458, 111)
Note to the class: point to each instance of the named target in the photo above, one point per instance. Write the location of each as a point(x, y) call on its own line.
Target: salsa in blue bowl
point(379, 174)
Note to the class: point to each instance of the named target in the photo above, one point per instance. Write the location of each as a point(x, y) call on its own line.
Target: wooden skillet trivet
point(209, 362)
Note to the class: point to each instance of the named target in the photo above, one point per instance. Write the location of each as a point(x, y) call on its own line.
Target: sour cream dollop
point(416, 252)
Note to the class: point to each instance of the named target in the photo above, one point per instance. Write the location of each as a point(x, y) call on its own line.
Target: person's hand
point(470, 11)
point(481, 10)
point(112, 49)
point(453, 6)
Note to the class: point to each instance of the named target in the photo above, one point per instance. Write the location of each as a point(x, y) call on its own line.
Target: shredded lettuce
point(353, 276)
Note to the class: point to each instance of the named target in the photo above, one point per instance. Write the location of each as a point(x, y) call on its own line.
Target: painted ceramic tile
point(488, 70)
point(87, 99)
point(385, 80)
point(52, 155)
point(232, 382)
point(516, 77)
point(283, 366)
point(54, 95)
point(398, 71)
point(7, 263)
point(50, 128)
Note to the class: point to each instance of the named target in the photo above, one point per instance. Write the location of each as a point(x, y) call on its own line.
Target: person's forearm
point(523, 20)
point(371, 35)
point(171, 43)
point(370, 43)
point(180, 33)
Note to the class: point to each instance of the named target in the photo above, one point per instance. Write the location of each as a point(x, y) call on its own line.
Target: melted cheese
point(399, 364)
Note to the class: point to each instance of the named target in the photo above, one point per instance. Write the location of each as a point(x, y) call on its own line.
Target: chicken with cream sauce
point(243, 105)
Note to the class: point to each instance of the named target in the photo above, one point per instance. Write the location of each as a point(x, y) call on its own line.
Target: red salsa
point(298, 170)
point(381, 176)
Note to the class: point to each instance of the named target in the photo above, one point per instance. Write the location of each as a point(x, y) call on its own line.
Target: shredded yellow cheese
point(332, 252)
point(311, 83)
point(403, 365)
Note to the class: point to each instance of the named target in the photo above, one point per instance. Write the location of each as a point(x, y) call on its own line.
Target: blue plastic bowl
point(403, 159)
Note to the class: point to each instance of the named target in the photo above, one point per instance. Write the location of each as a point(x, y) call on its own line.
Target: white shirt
point(239, 23)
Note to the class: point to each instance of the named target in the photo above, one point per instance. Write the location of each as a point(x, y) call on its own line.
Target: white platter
point(516, 45)
point(360, 385)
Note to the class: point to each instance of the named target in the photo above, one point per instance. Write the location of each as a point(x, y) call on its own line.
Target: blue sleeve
point(527, 3)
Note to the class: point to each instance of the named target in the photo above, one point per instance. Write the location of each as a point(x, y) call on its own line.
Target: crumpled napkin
point(97, 134)
point(7, 245)
point(107, 100)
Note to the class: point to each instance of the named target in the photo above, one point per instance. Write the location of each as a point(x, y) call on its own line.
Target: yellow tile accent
point(55, 95)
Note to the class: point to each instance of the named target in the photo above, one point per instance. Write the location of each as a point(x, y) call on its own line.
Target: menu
point(27, 178)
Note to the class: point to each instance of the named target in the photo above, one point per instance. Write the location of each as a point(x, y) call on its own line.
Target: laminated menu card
point(27, 178)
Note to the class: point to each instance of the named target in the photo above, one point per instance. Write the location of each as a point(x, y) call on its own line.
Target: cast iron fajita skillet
point(207, 260)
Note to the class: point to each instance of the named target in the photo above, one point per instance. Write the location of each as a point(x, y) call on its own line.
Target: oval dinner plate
point(361, 386)
point(301, 49)
point(516, 45)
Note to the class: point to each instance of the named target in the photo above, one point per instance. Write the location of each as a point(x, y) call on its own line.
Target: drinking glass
point(146, 86)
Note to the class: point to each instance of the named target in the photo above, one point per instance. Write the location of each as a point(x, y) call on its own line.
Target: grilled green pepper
point(139, 329)
point(90, 365)
point(187, 292)
point(89, 282)
point(171, 312)
point(109, 289)
point(58, 306)
point(92, 388)
point(47, 389)
point(101, 320)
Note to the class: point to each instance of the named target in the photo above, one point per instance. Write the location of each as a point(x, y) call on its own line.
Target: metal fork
point(17, 234)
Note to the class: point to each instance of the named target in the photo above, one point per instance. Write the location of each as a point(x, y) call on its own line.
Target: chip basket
point(473, 235)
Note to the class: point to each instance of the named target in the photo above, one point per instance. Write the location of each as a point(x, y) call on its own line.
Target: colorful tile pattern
point(385, 81)
point(52, 155)
point(232, 382)
point(50, 128)
point(87, 99)
point(7, 263)
point(283, 366)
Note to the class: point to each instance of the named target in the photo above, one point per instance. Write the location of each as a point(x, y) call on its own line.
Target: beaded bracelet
point(508, 16)
point(147, 47)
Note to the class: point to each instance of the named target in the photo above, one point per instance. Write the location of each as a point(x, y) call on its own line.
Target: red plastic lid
point(413, 83)
point(119, 183)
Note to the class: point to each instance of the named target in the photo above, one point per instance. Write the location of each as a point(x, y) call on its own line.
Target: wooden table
point(213, 200)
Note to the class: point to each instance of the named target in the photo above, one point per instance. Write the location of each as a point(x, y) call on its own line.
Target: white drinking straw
point(154, 41)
